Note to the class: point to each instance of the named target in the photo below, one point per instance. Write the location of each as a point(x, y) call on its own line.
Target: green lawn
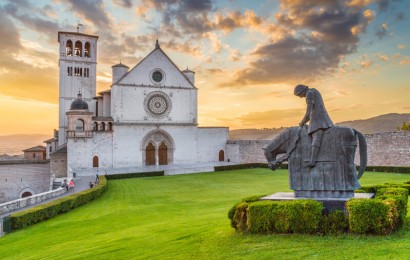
point(185, 217)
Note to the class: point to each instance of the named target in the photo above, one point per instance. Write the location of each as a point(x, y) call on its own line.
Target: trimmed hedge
point(134, 175)
point(299, 216)
point(393, 169)
point(46, 211)
point(381, 215)
point(246, 166)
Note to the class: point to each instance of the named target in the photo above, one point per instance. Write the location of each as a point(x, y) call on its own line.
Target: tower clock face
point(157, 104)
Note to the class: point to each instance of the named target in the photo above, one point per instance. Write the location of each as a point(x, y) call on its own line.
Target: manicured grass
point(185, 217)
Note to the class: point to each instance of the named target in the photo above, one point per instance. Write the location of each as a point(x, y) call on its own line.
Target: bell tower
point(78, 64)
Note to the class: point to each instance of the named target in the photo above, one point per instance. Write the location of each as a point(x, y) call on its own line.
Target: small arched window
point(50, 149)
point(79, 125)
point(78, 49)
point(95, 126)
point(102, 126)
point(109, 126)
point(87, 48)
point(26, 194)
point(69, 48)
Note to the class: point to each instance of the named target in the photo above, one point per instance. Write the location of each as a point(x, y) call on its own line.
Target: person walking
point(72, 184)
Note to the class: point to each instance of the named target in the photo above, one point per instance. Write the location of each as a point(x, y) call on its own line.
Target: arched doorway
point(26, 194)
point(96, 161)
point(157, 148)
point(221, 155)
point(150, 154)
point(163, 154)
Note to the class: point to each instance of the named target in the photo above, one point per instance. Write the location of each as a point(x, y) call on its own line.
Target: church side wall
point(383, 149)
point(82, 150)
point(211, 140)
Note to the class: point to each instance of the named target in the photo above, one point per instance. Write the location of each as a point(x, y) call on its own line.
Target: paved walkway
point(81, 183)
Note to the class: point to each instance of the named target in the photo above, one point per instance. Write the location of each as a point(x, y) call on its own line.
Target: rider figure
point(317, 115)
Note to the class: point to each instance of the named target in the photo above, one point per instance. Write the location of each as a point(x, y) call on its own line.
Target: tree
point(405, 126)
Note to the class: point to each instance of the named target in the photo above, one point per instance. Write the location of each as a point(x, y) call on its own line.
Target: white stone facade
point(147, 117)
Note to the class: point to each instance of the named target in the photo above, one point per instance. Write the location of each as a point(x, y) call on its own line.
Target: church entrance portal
point(158, 148)
point(163, 154)
point(150, 154)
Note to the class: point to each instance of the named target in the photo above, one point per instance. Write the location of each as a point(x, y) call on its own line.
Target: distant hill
point(14, 144)
point(378, 124)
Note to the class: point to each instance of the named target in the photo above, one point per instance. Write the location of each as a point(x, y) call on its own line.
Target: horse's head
point(281, 144)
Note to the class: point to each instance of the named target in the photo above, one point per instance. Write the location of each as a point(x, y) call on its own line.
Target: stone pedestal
point(330, 204)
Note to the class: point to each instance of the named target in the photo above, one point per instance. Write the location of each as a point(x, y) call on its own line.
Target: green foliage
point(46, 211)
point(246, 166)
point(241, 216)
point(335, 223)
point(397, 199)
point(405, 126)
point(184, 217)
point(392, 169)
point(299, 216)
point(134, 175)
point(368, 216)
point(253, 198)
point(385, 213)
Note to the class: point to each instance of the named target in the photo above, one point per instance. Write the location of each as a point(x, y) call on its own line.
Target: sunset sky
point(247, 55)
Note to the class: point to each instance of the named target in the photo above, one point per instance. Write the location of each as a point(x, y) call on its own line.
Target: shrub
point(397, 199)
point(46, 211)
point(240, 217)
point(368, 216)
point(260, 218)
point(335, 223)
point(388, 169)
point(299, 216)
point(253, 198)
point(134, 175)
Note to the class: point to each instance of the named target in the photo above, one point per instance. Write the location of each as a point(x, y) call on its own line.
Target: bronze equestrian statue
point(320, 156)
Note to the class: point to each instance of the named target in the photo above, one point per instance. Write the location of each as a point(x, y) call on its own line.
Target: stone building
point(36, 153)
point(148, 116)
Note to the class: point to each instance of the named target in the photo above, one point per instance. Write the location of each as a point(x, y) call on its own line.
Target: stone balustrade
point(14, 205)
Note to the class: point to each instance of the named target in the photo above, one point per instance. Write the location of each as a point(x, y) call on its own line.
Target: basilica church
point(148, 116)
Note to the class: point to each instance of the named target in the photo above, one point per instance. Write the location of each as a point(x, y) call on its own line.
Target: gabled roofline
point(159, 48)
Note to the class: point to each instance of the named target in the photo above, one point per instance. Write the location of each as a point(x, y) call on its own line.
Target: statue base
point(313, 194)
point(330, 204)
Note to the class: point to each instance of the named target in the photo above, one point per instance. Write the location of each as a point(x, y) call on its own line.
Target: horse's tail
point(363, 153)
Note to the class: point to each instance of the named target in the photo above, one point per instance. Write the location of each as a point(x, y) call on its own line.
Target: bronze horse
point(334, 175)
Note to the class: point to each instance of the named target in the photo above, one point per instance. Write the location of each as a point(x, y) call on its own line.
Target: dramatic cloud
point(92, 11)
point(319, 34)
point(197, 17)
point(123, 3)
point(35, 18)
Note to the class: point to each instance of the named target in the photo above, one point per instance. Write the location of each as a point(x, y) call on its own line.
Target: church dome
point(79, 103)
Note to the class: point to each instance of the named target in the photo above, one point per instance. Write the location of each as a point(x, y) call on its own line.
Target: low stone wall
point(32, 200)
point(383, 149)
point(17, 178)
